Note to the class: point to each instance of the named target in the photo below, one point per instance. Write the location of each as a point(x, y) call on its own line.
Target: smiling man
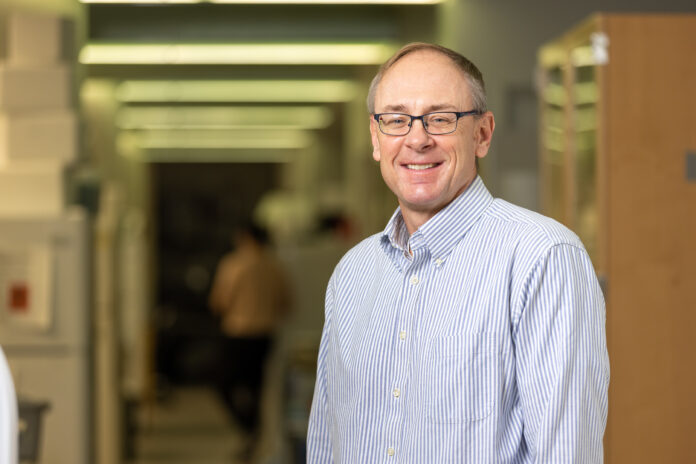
point(470, 330)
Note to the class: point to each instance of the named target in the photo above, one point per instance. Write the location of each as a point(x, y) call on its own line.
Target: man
point(250, 292)
point(470, 330)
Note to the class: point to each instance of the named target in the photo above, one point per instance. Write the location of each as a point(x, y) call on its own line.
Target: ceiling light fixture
point(220, 91)
point(238, 54)
point(223, 139)
point(169, 155)
point(271, 2)
point(227, 117)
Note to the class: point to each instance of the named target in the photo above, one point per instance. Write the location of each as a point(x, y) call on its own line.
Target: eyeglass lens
point(435, 123)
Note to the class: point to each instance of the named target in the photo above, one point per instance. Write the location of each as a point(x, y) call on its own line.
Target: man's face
point(426, 172)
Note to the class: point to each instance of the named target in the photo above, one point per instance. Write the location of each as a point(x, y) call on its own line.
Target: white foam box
point(38, 135)
point(29, 189)
point(35, 87)
point(34, 39)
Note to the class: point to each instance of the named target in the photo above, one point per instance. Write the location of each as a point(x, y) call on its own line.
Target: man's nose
point(418, 138)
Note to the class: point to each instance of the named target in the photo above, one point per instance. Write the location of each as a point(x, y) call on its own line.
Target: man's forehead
point(423, 60)
point(427, 76)
point(402, 108)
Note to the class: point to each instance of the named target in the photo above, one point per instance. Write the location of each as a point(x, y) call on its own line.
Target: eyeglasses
point(438, 123)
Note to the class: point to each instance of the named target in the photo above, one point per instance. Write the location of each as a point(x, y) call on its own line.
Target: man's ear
point(374, 129)
point(484, 133)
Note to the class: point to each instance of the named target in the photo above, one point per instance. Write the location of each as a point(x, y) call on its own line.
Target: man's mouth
point(420, 167)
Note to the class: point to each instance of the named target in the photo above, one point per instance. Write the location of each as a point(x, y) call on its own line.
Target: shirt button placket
point(414, 281)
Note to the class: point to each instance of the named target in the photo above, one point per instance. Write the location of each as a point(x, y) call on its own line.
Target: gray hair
point(472, 73)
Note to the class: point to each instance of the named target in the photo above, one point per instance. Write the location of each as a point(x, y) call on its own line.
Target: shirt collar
point(396, 233)
point(447, 227)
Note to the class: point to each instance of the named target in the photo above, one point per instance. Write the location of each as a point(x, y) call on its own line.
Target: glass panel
point(583, 135)
point(554, 99)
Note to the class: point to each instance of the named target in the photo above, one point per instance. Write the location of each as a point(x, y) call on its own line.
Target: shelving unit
point(617, 137)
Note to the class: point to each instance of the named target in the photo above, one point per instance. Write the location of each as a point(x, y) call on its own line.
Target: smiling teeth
point(420, 166)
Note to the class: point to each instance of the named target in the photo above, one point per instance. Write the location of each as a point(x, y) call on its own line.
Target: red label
point(19, 297)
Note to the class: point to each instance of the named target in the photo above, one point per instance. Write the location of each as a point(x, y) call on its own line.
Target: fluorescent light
point(276, 2)
point(274, 91)
point(247, 54)
point(140, 2)
point(268, 146)
point(326, 2)
point(183, 155)
point(212, 156)
point(222, 139)
point(214, 117)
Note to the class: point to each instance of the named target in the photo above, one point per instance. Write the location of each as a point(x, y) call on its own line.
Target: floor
point(192, 427)
point(189, 427)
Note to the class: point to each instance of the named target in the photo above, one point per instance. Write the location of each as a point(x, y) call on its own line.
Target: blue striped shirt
point(487, 345)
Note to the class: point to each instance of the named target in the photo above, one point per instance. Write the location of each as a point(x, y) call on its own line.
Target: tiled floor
point(190, 427)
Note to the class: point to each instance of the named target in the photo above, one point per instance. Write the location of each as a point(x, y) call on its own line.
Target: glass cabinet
point(569, 98)
point(617, 101)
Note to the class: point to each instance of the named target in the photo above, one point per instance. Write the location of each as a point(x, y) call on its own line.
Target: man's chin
point(422, 204)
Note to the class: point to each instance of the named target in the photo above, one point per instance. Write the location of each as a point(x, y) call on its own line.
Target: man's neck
point(414, 219)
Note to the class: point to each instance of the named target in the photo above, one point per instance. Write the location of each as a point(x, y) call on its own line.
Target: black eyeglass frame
point(459, 114)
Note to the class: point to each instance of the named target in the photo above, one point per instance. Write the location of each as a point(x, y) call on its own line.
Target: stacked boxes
point(38, 126)
point(26, 88)
point(34, 39)
point(31, 189)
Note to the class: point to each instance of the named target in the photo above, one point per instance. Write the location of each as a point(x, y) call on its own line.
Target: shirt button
point(438, 262)
point(402, 335)
point(391, 451)
point(414, 280)
point(397, 393)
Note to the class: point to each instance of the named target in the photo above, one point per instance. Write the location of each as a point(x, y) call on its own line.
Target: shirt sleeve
point(562, 361)
point(221, 291)
point(319, 445)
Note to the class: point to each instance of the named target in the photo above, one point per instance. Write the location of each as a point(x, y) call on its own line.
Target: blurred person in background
point(251, 294)
point(470, 330)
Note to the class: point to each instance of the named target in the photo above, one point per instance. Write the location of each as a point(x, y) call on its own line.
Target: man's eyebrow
point(444, 106)
point(395, 108)
point(402, 109)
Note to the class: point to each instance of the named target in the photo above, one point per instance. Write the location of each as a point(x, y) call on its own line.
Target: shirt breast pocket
point(462, 380)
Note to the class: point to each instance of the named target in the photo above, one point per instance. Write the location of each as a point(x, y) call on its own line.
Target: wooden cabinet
point(618, 166)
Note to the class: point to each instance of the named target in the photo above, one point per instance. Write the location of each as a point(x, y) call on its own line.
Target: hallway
point(189, 427)
point(138, 136)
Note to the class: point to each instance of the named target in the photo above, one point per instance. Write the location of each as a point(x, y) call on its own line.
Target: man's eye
point(440, 120)
point(394, 121)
